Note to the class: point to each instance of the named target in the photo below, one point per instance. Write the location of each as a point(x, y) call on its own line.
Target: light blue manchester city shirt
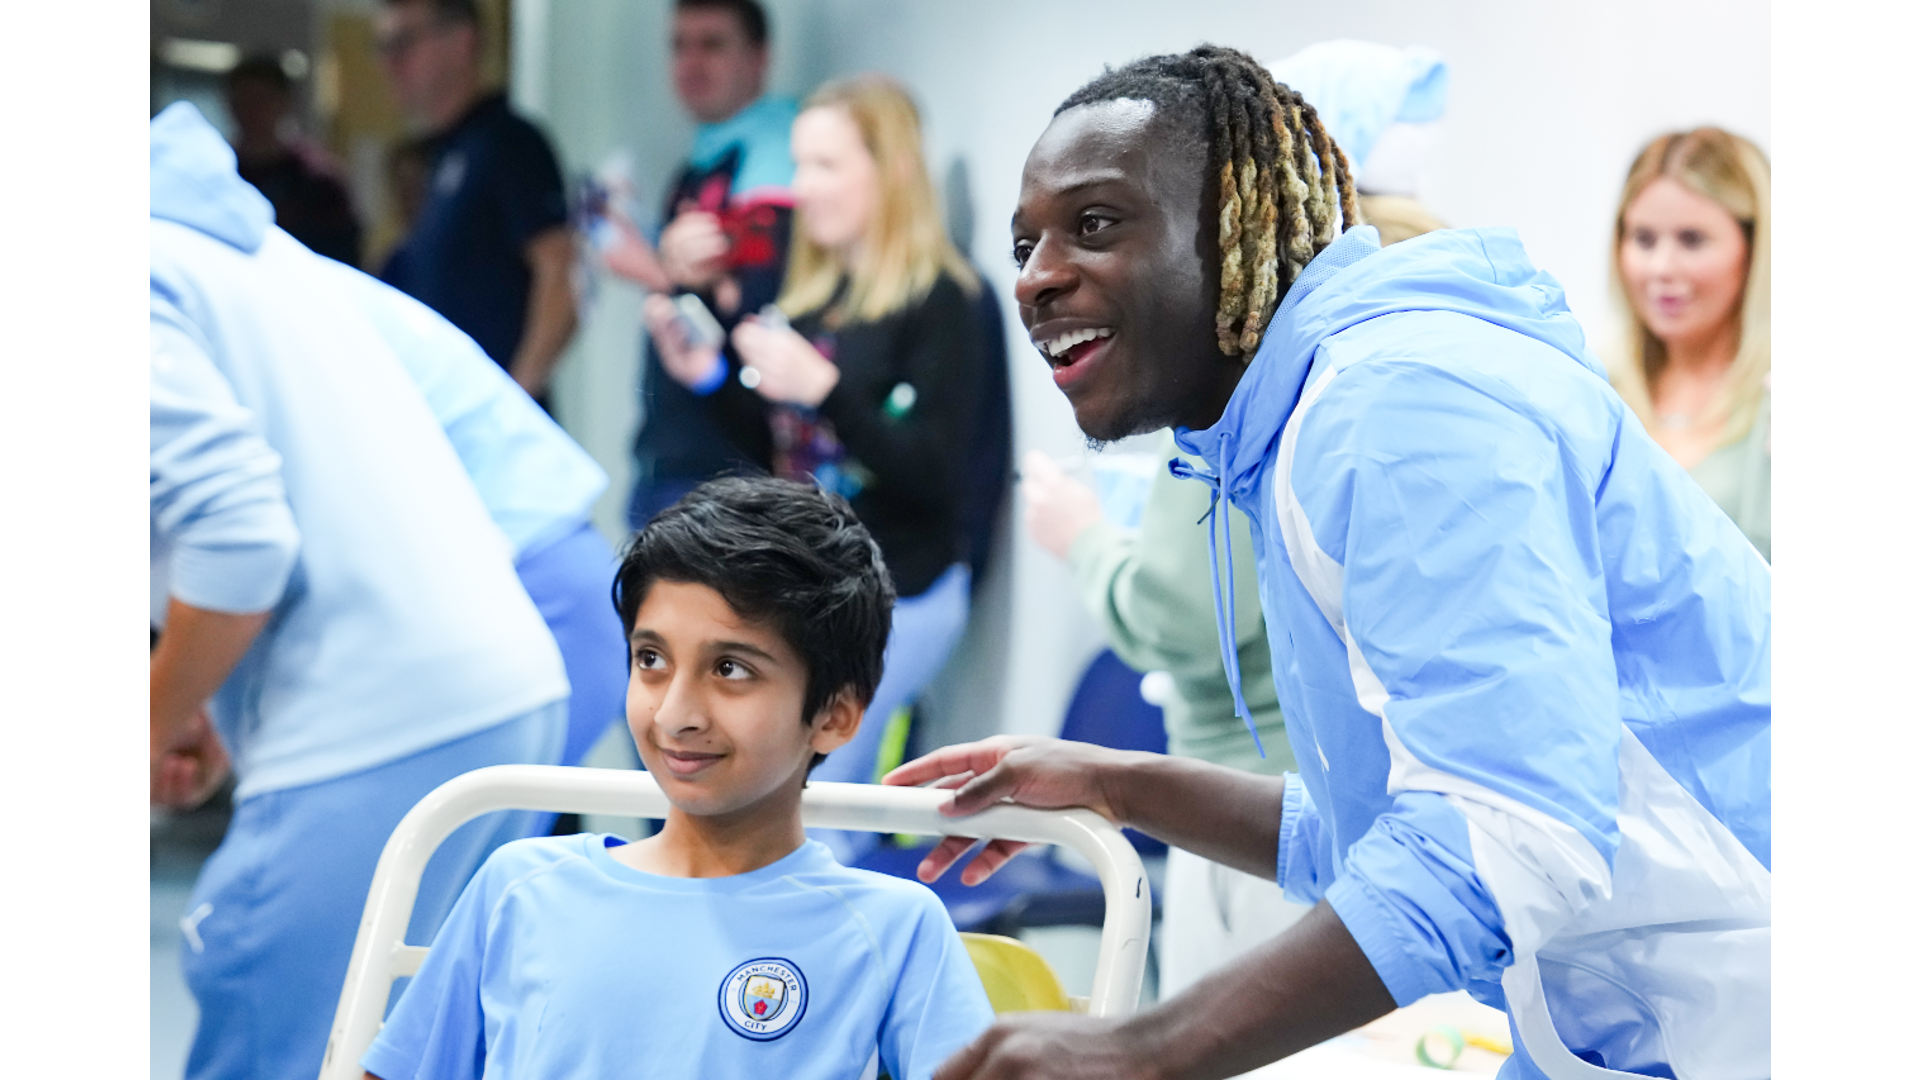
point(558, 962)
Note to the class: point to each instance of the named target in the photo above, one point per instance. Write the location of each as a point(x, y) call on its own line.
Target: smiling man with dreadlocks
point(1524, 660)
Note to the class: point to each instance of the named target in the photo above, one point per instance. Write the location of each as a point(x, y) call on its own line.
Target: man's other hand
point(1049, 1046)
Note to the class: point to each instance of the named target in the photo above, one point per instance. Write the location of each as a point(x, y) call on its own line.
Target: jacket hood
point(196, 182)
point(1484, 273)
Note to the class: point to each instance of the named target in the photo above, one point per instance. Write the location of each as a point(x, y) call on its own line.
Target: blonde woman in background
point(873, 389)
point(1692, 281)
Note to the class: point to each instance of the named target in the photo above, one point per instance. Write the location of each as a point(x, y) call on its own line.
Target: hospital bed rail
point(381, 955)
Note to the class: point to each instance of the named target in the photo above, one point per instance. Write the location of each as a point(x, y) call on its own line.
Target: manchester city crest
point(762, 999)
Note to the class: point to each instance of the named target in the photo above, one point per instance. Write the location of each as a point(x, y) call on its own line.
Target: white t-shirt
point(558, 961)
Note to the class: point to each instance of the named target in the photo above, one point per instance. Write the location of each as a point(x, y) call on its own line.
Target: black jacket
point(912, 462)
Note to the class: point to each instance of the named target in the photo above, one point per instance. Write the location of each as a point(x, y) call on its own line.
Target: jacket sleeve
point(1305, 859)
point(1153, 593)
point(219, 508)
point(1452, 542)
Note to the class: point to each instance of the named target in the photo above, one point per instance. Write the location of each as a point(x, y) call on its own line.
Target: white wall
point(1549, 103)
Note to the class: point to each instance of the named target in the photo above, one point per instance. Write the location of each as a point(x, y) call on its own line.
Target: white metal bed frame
point(380, 954)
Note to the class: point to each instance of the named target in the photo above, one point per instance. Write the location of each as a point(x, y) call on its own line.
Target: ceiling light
point(215, 57)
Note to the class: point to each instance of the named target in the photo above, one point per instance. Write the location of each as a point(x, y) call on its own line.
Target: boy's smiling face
point(714, 703)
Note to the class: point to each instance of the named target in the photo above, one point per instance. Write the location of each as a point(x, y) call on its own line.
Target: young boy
point(728, 944)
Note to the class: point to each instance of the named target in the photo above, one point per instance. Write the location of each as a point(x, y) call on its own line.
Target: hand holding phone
point(678, 341)
point(702, 330)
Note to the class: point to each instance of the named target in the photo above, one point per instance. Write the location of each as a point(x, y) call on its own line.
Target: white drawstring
point(190, 926)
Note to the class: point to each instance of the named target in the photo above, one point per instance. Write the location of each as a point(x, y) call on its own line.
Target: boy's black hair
point(748, 13)
point(782, 553)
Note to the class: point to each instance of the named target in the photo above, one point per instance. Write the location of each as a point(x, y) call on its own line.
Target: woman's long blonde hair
point(1734, 174)
point(905, 248)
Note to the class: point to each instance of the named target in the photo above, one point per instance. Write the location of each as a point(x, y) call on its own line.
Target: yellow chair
point(1017, 978)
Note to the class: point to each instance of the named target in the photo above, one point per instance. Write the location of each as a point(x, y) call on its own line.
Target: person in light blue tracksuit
point(340, 614)
point(537, 483)
point(1525, 661)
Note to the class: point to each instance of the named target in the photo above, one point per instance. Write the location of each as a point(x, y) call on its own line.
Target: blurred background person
point(873, 390)
point(729, 215)
point(1152, 590)
point(409, 169)
point(491, 249)
point(300, 179)
point(1691, 275)
point(338, 614)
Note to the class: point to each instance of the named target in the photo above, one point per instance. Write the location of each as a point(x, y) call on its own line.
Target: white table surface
point(1383, 1050)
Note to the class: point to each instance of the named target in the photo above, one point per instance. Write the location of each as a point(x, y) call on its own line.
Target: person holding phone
point(490, 248)
point(873, 389)
point(728, 217)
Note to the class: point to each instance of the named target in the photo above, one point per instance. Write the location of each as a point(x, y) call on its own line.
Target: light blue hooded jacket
point(1524, 659)
point(296, 466)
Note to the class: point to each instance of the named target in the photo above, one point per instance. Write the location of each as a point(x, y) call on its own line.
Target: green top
point(1740, 478)
point(1153, 592)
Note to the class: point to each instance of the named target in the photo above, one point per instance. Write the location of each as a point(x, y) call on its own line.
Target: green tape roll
point(1456, 1045)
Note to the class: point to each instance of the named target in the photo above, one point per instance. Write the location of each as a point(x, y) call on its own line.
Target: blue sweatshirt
point(1525, 663)
point(296, 467)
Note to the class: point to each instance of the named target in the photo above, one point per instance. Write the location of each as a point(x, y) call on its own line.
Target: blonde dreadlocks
point(1285, 190)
